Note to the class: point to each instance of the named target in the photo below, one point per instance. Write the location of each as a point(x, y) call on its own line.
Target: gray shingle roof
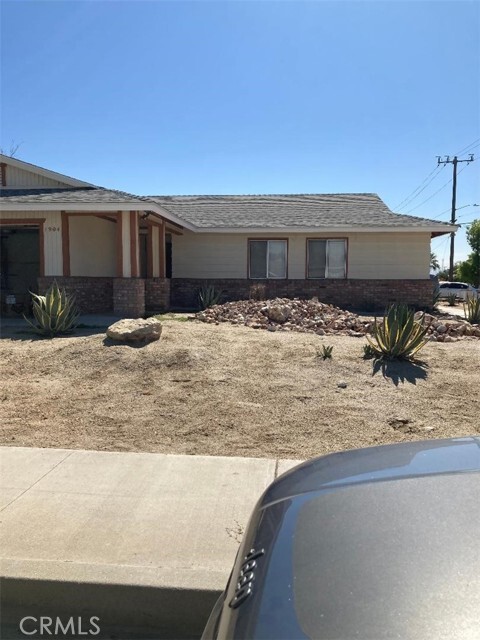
point(289, 211)
point(68, 195)
point(354, 210)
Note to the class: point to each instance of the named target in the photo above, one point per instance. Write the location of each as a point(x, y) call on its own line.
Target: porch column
point(134, 244)
point(156, 231)
point(128, 254)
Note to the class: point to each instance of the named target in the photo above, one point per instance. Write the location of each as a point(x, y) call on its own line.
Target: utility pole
point(455, 162)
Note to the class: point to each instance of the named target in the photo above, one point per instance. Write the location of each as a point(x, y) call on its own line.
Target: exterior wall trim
point(65, 243)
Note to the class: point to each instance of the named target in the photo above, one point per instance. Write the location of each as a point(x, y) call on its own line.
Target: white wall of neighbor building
point(52, 229)
point(92, 246)
point(21, 179)
point(395, 255)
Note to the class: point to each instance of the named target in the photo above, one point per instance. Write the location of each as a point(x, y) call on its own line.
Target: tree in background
point(473, 238)
point(14, 147)
point(469, 269)
point(434, 264)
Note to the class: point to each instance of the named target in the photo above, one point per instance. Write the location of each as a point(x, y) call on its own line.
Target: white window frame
point(327, 241)
point(268, 240)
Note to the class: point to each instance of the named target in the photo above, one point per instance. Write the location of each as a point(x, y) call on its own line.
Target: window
point(326, 259)
point(267, 259)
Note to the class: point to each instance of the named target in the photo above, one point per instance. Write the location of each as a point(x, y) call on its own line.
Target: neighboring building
point(130, 255)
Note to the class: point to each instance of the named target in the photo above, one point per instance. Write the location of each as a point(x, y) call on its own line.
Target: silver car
point(460, 289)
point(367, 544)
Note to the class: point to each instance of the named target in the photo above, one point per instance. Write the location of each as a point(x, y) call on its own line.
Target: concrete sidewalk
point(144, 541)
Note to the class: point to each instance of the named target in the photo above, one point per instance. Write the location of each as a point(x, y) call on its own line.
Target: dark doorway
point(20, 267)
point(143, 243)
point(168, 255)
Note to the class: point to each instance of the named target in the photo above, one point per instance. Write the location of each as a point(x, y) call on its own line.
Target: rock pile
point(312, 316)
point(283, 314)
point(449, 328)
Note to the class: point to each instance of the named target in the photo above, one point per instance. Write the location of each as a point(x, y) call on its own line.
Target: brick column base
point(129, 297)
point(157, 295)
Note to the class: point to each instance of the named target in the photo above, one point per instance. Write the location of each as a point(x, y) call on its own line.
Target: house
point(132, 255)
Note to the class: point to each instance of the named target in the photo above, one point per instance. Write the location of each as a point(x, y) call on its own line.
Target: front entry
point(20, 267)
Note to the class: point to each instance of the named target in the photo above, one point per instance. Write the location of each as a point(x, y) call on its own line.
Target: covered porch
point(115, 262)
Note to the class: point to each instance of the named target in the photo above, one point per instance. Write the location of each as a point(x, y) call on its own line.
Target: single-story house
point(132, 255)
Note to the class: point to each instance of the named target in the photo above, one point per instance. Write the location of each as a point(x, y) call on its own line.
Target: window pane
point(317, 250)
point(258, 259)
point(336, 259)
point(277, 259)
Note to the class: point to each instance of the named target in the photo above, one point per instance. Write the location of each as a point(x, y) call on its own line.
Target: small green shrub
point(208, 296)
point(435, 297)
point(368, 352)
point(326, 352)
point(451, 299)
point(471, 310)
point(54, 313)
point(399, 336)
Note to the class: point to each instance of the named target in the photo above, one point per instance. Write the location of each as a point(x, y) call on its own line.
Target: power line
point(468, 147)
point(449, 210)
point(435, 192)
point(419, 189)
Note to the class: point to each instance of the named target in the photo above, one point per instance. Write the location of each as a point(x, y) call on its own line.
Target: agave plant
point(326, 352)
point(399, 336)
point(471, 310)
point(451, 299)
point(208, 296)
point(55, 312)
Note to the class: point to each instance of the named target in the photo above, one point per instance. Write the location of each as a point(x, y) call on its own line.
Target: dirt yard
point(230, 390)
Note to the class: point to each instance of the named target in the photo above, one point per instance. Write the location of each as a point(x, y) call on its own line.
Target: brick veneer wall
point(157, 295)
point(344, 293)
point(93, 295)
point(129, 297)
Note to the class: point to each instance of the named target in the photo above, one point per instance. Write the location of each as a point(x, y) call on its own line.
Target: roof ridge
point(261, 195)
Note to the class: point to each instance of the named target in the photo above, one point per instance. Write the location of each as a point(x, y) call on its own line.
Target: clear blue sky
point(247, 97)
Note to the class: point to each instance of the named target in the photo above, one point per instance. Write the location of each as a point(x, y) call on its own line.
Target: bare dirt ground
point(230, 390)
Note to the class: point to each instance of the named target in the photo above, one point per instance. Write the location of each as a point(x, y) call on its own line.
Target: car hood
point(375, 543)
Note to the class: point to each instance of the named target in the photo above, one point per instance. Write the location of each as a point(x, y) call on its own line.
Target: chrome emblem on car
point(246, 577)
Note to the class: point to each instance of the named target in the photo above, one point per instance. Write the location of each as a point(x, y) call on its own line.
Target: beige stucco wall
point(370, 255)
point(92, 246)
point(52, 229)
point(21, 179)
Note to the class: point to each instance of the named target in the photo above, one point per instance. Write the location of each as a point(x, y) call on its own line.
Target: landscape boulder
point(137, 330)
point(278, 313)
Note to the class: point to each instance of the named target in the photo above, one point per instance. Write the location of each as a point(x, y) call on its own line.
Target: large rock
point(279, 313)
point(138, 330)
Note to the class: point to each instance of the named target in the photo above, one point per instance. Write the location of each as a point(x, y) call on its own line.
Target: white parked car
point(460, 289)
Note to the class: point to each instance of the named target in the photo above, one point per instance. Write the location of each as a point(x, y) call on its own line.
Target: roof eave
point(96, 207)
point(434, 230)
point(46, 173)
